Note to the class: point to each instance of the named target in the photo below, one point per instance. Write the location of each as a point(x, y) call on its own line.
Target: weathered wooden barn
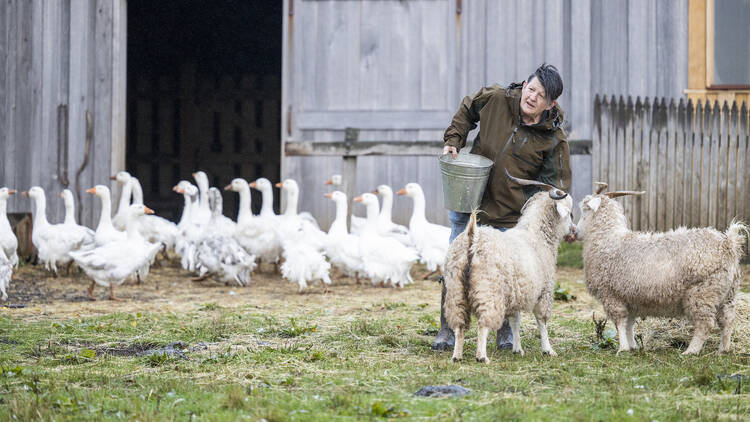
point(172, 87)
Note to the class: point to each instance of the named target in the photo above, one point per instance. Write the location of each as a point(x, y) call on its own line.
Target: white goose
point(291, 221)
point(267, 221)
point(431, 240)
point(190, 233)
point(154, 228)
point(251, 232)
point(105, 231)
point(53, 242)
point(356, 222)
point(70, 220)
point(343, 248)
point(203, 214)
point(219, 254)
point(386, 260)
point(126, 191)
point(8, 241)
point(6, 272)
point(219, 223)
point(386, 226)
point(110, 265)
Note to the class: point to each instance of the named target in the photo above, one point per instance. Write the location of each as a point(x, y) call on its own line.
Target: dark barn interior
point(204, 93)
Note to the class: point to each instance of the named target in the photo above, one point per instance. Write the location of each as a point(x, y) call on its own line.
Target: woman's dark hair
point(550, 80)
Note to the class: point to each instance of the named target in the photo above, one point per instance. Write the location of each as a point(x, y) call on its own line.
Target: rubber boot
point(505, 336)
point(444, 340)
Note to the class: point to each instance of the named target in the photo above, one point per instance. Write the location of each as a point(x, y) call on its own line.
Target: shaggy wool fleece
point(493, 274)
point(684, 272)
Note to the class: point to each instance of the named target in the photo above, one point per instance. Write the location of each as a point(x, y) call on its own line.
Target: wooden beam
point(412, 148)
point(374, 120)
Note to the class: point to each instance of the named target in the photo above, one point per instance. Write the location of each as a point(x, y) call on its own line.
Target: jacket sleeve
point(465, 119)
point(556, 167)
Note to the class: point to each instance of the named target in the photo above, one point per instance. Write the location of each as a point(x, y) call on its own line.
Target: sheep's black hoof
point(505, 337)
point(456, 360)
point(481, 360)
point(444, 340)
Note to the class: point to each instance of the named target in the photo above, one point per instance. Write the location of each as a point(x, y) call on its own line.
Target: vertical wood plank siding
point(57, 54)
point(693, 161)
point(430, 57)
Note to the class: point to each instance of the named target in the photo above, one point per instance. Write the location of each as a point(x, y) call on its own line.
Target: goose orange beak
point(180, 190)
point(60, 194)
point(25, 193)
point(375, 192)
point(175, 188)
point(91, 190)
point(254, 185)
point(148, 210)
point(328, 195)
point(12, 192)
point(358, 199)
point(279, 185)
point(194, 174)
point(228, 187)
point(401, 192)
point(113, 177)
point(329, 182)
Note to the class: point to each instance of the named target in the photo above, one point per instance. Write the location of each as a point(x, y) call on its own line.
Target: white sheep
point(685, 272)
point(498, 274)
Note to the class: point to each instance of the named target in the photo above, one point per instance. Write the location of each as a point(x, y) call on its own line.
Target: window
point(728, 37)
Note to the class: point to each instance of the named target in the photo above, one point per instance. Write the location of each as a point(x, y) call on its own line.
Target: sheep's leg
point(702, 328)
point(458, 346)
point(726, 322)
point(703, 316)
point(482, 334)
point(91, 291)
point(546, 347)
point(515, 327)
point(622, 331)
point(630, 333)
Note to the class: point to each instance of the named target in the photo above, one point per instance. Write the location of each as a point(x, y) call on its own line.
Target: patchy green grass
point(356, 353)
point(570, 255)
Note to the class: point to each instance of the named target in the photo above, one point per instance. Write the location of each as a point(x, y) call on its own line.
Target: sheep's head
point(592, 205)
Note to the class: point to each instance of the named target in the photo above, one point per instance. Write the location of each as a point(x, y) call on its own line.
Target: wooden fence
point(691, 159)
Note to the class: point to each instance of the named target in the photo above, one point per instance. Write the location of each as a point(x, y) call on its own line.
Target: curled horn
point(624, 192)
point(554, 192)
point(601, 186)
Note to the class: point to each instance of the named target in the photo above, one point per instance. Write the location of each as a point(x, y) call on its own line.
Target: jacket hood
point(552, 119)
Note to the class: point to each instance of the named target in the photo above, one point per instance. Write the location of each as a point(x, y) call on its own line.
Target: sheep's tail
point(737, 234)
point(471, 233)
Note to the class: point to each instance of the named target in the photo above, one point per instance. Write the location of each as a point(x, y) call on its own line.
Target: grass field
point(356, 352)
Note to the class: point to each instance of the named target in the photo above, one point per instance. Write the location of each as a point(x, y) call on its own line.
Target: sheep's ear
point(594, 203)
point(561, 210)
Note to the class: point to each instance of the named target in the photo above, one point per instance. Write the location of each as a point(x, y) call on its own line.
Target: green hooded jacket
point(537, 152)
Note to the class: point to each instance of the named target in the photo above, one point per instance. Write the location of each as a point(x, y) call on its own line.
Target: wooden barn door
point(386, 68)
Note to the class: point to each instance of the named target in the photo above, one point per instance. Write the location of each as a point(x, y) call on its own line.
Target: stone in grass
point(442, 391)
point(172, 349)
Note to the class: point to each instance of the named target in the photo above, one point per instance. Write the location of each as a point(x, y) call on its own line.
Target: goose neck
point(419, 208)
point(266, 208)
point(386, 208)
point(105, 219)
point(339, 222)
point(127, 190)
point(40, 218)
point(244, 213)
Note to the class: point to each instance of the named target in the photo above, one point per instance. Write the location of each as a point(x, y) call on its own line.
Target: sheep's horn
point(601, 187)
point(623, 193)
point(554, 192)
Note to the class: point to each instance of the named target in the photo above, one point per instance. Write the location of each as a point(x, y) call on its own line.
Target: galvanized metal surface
point(464, 180)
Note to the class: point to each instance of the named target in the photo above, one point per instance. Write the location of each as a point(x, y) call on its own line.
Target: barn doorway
point(204, 93)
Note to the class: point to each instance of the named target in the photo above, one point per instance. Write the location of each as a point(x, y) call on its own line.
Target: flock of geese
point(124, 246)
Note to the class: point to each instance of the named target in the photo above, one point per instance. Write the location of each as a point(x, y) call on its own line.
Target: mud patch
point(442, 391)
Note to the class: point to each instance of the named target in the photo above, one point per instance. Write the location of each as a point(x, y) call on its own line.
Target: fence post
point(349, 173)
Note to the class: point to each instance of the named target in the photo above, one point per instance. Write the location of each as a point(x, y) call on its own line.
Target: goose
point(154, 228)
point(190, 233)
point(385, 259)
point(303, 261)
point(6, 272)
point(219, 254)
point(203, 214)
point(291, 221)
point(70, 219)
point(252, 232)
point(111, 264)
point(52, 241)
point(8, 240)
point(105, 231)
point(431, 240)
point(386, 226)
point(219, 223)
point(126, 191)
point(356, 222)
point(266, 224)
point(341, 247)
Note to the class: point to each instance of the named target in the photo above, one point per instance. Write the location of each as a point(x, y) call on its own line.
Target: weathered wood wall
point(400, 74)
point(692, 160)
point(223, 125)
point(58, 60)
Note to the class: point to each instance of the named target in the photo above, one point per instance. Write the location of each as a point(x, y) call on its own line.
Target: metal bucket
point(464, 180)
